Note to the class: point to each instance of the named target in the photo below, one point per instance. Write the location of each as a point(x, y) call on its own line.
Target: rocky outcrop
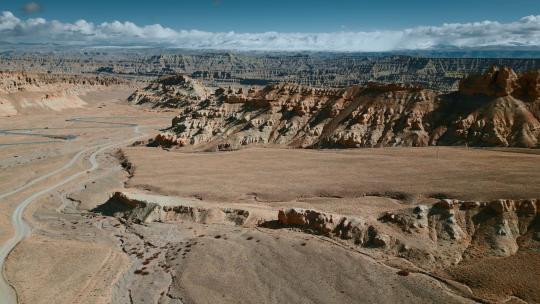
point(11, 82)
point(501, 82)
point(434, 236)
point(496, 82)
point(529, 86)
point(499, 108)
point(175, 91)
point(30, 92)
point(470, 230)
point(142, 210)
point(352, 228)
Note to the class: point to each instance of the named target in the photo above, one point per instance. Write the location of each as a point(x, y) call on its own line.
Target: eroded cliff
point(498, 108)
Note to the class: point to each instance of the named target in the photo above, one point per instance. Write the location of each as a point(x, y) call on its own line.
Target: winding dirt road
point(72, 142)
point(22, 229)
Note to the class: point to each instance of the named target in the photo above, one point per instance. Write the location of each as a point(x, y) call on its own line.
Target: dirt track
point(54, 166)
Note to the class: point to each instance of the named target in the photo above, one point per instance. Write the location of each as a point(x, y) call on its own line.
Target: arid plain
point(54, 158)
point(115, 221)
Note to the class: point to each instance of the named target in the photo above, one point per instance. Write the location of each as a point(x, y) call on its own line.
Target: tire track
point(21, 228)
point(55, 138)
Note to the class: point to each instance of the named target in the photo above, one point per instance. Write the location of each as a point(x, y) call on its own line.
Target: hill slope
point(498, 108)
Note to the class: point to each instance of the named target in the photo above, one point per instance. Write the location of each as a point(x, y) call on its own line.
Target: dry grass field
point(274, 175)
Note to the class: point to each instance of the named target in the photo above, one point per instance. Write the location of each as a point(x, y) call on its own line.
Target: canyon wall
point(219, 68)
point(497, 108)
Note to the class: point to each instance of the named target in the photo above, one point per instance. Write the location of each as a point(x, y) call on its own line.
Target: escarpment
point(498, 108)
point(147, 209)
point(434, 236)
point(313, 69)
point(174, 91)
point(11, 82)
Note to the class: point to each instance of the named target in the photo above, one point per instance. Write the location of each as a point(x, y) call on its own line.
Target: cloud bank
point(523, 32)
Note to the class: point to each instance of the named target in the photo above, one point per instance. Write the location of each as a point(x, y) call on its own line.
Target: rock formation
point(434, 236)
point(223, 68)
point(141, 211)
point(498, 108)
point(30, 92)
point(174, 91)
point(11, 82)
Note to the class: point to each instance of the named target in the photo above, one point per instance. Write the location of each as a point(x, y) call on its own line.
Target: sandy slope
point(287, 267)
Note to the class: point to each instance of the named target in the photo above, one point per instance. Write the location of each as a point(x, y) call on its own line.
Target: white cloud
point(8, 21)
point(524, 32)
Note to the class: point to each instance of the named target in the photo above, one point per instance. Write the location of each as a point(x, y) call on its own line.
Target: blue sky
point(313, 25)
point(282, 16)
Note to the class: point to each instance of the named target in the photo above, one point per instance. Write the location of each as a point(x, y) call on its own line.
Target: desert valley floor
point(222, 231)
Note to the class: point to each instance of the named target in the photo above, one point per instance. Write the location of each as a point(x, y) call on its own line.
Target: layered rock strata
point(498, 108)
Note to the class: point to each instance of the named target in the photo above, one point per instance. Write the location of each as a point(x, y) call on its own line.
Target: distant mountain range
point(436, 52)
